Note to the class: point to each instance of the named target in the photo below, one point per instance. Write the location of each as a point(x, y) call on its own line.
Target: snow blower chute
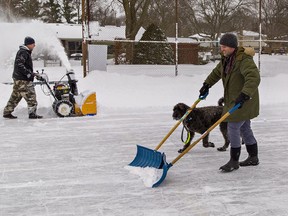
point(67, 101)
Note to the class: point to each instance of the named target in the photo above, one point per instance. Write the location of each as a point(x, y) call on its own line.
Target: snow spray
point(45, 39)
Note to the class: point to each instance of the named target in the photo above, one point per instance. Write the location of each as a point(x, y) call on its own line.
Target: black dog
point(199, 120)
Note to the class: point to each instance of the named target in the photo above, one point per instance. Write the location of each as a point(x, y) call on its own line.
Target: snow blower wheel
point(63, 108)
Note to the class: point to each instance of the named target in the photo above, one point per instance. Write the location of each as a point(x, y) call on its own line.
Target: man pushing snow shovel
point(241, 78)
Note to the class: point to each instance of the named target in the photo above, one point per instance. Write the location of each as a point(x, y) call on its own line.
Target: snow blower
point(67, 101)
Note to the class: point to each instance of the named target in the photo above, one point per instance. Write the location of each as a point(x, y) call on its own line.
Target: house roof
point(68, 31)
point(200, 36)
point(74, 31)
point(250, 33)
point(182, 40)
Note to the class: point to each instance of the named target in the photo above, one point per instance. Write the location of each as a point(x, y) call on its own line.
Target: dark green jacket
point(244, 77)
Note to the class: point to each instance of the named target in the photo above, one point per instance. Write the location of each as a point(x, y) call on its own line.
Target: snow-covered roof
point(114, 32)
point(250, 33)
point(66, 31)
point(200, 36)
point(182, 40)
point(205, 36)
point(74, 31)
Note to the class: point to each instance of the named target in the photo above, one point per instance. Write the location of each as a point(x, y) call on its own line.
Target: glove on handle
point(241, 99)
point(204, 90)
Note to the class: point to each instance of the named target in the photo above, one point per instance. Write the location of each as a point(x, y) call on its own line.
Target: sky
point(78, 165)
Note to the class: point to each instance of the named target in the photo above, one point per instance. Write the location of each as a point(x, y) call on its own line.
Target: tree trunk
point(135, 12)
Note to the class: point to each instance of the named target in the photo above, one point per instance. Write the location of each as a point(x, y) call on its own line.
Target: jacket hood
point(249, 51)
point(24, 47)
point(245, 52)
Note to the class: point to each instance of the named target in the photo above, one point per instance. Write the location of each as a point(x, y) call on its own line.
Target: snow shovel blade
point(146, 157)
point(165, 168)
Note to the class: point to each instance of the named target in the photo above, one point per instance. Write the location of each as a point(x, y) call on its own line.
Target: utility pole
point(176, 37)
point(85, 23)
point(260, 34)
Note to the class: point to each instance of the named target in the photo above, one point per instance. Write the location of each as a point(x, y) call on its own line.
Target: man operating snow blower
point(23, 77)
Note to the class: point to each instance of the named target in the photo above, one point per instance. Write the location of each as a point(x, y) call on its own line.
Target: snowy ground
point(76, 166)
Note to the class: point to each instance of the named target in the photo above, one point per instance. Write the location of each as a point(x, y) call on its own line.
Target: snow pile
point(148, 175)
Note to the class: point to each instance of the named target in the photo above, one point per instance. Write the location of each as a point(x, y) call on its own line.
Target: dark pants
point(236, 130)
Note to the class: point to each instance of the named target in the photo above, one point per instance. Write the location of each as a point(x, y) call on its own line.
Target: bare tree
point(135, 13)
point(275, 15)
point(162, 13)
point(213, 16)
point(105, 12)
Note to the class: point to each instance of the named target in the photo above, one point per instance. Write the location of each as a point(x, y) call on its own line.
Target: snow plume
point(6, 15)
point(47, 44)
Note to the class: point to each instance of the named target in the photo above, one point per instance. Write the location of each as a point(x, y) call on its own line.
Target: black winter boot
point(9, 116)
point(252, 159)
point(34, 116)
point(233, 163)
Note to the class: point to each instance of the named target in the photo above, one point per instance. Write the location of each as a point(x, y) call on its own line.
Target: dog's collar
point(188, 119)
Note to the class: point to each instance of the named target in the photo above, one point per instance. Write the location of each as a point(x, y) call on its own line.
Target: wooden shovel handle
point(178, 123)
point(206, 133)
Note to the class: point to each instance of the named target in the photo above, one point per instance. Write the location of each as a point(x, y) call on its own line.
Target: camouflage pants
point(22, 89)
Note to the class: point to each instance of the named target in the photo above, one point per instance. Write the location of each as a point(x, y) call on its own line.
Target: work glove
point(38, 76)
point(30, 74)
point(241, 99)
point(204, 91)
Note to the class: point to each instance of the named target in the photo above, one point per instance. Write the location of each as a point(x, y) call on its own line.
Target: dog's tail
point(221, 101)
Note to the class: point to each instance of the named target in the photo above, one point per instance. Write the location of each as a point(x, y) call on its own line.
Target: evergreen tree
point(9, 10)
point(153, 53)
point(69, 11)
point(51, 12)
point(29, 8)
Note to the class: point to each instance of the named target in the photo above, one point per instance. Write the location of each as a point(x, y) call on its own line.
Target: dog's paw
point(180, 150)
point(222, 148)
point(209, 144)
point(183, 149)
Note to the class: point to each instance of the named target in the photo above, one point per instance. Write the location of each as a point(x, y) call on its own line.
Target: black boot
point(252, 159)
point(34, 116)
point(9, 116)
point(233, 163)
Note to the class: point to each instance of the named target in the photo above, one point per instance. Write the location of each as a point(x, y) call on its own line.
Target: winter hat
point(28, 41)
point(229, 40)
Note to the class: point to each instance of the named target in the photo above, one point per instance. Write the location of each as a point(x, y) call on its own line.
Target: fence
point(124, 51)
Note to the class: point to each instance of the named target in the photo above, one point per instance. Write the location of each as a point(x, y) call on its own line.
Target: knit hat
point(28, 41)
point(229, 40)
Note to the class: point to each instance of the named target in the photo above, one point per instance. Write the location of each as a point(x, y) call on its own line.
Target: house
point(188, 49)
point(71, 34)
point(203, 39)
point(251, 39)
